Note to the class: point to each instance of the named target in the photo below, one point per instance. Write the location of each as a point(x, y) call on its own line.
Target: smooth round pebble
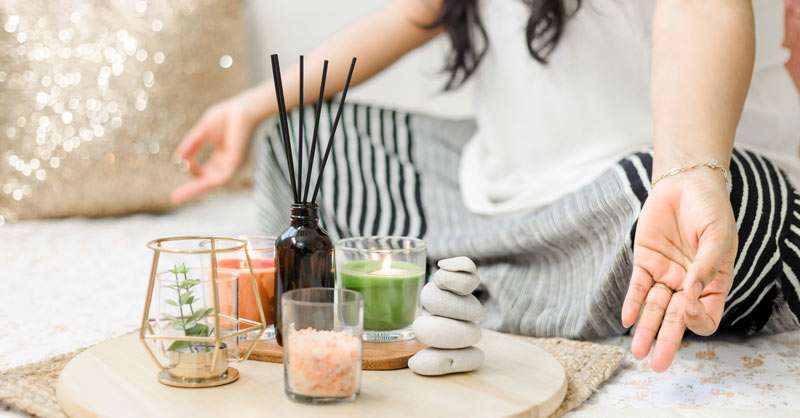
point(450, 305)
point(440, 332)
point(458, 264)
point(458, 282)
point(436, 361)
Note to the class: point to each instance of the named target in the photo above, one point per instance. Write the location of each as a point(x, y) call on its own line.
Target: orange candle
point(264, 270)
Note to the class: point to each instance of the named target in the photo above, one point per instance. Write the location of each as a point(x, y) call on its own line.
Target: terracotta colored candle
point(264, 270)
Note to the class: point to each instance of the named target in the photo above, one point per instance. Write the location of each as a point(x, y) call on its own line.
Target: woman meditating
point(599, 187)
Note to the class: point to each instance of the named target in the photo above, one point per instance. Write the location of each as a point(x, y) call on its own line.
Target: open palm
point(685, 239)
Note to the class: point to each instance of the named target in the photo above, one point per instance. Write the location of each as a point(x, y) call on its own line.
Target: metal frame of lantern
point(146, 332)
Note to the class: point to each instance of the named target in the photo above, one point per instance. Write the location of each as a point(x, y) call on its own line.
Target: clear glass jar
point(322, 346)
point(389, 273)
point(261, 250)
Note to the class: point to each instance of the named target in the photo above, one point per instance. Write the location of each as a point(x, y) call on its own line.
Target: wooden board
point(116, 378)
point(376, 356)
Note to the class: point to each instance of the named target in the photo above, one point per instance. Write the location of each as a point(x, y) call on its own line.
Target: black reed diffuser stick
point(287, 145)
point(333, 130)
point(300, 196)
point(317, 113)
point(300, 133)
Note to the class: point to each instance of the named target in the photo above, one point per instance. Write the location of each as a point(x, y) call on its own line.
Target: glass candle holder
point(388, 272)
point(322, 349)
point(261, 250)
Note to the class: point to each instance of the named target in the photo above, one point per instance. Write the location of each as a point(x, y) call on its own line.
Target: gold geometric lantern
point(191, 325)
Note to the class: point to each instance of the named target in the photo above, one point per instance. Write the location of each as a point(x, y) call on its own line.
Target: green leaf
point(201, 314)
point(171, 286)
point(179, 345)
point(183, 324)
point(199, 330)
point(168, 317)
point(179, 269)
point(171, 302)
point(188, 283)
point(186, 299)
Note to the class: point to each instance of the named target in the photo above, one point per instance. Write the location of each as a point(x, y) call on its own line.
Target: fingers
point(640, 284)
point(195, 169)
point(704, 267)
point(703, 316)
point(235, 134)
point(192, 142)
point(670, 334)
point(191, 189)
point(668, 268)
point(650, 321)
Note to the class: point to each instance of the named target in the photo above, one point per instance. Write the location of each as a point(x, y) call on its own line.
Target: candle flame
point(386, 265)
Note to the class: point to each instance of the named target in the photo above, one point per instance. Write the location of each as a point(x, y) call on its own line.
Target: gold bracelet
point(712, 164)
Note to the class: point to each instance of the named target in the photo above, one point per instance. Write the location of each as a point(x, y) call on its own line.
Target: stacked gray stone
point(452, 328)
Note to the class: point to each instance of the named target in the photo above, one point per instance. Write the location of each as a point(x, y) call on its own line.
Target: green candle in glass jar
point(389, 289)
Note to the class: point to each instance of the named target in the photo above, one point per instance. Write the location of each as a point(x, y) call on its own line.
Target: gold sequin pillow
point(96, 95)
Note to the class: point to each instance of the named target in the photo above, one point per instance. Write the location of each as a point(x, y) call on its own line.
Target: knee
point(762, 198)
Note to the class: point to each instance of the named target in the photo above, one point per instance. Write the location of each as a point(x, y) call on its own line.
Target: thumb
point(705, 266)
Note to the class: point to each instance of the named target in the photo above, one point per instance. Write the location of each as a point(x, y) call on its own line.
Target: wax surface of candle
point(388, 272)
point(390, 292)
point(264, 270)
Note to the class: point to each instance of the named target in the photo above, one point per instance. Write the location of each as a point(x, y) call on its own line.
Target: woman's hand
point(379, 39)
point(686, 239)
point(227, 127)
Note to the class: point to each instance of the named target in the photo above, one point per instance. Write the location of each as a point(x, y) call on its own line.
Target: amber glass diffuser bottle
point(304, 254)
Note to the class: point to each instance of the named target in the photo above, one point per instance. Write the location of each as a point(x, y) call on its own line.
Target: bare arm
point(377, 40)
point(792, 38)
point(703, 53)
point(686, 239)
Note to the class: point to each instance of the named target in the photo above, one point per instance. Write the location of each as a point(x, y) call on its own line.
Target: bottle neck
point(304, 214)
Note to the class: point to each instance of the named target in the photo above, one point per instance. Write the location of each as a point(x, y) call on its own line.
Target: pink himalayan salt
point(323, 363)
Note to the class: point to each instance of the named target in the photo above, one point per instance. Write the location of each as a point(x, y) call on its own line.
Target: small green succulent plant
point(191, 320)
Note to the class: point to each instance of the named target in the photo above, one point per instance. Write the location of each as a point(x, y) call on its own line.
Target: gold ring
point(665, 287)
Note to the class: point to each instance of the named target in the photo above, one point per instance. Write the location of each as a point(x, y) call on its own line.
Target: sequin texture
point(95, 96)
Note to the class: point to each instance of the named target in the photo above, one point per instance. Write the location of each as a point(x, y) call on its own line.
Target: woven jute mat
point(31, 388)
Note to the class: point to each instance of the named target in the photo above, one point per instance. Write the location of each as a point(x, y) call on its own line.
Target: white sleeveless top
point(546, 130)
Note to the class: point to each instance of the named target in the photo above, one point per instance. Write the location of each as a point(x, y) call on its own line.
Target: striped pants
point(559, 270)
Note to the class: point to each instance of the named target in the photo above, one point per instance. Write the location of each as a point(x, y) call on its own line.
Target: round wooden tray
point(117, 378)
point(376, 356)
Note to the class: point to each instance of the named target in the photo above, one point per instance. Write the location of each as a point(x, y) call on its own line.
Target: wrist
point(710, 165)
point(708, 175)
point(678, 150)
point(256, 104)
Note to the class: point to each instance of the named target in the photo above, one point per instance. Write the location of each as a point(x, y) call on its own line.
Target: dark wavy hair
point(462, 22)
